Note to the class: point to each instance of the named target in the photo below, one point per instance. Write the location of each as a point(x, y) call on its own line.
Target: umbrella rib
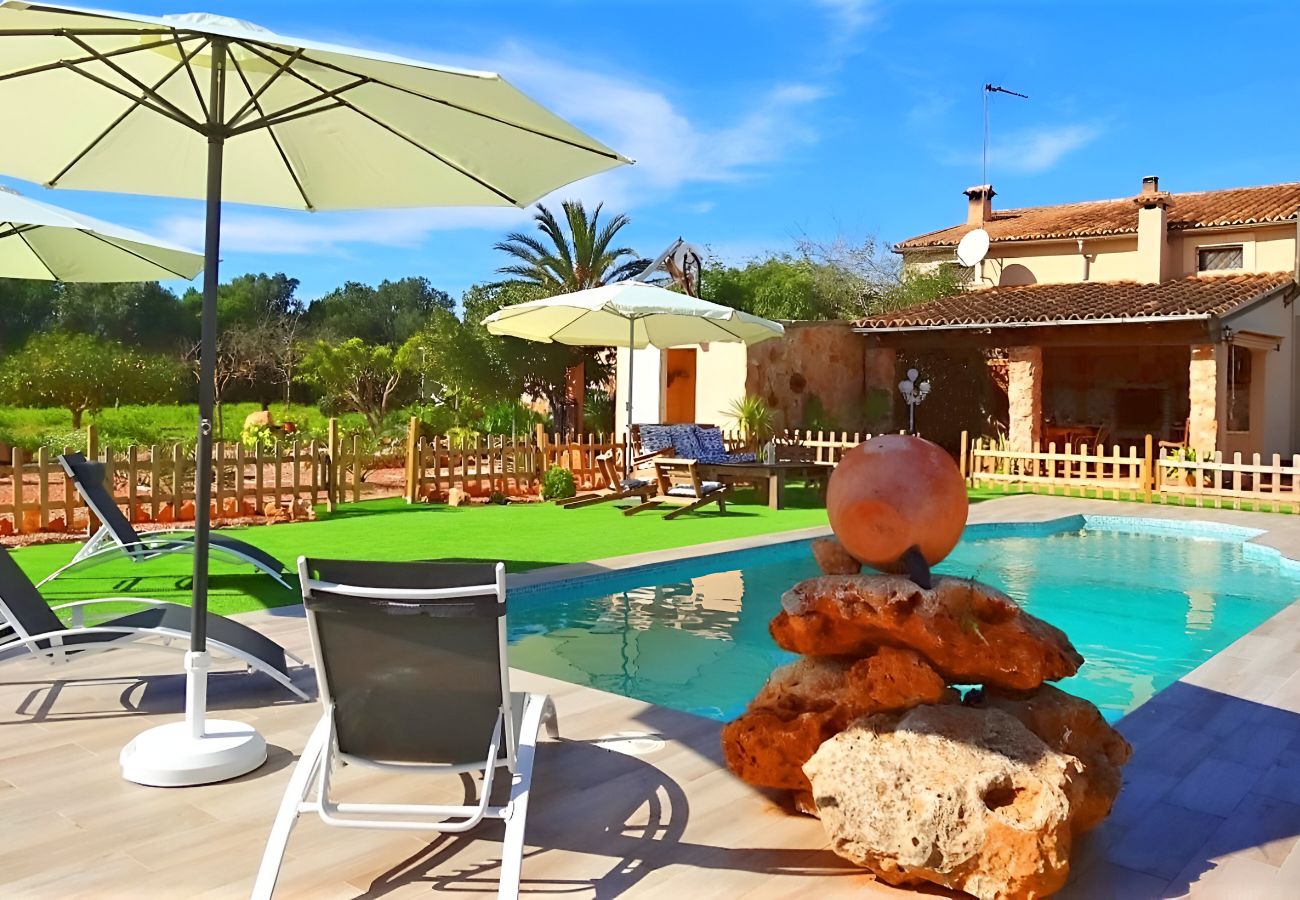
point(136, 104)
point(177, 112)
point(64, 63)
point(298, 110)
point(465, 109)
point(22, 236)
point(194, 82)
point(138, 101)
point(297, 183)
point(142, 258)
point(391, 130)
point(569, 324)
point(251, 102)
point(15, 230)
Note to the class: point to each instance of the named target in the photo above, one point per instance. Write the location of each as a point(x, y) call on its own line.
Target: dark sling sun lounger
point(411, 661)
point(117, 535)
point(30, 622)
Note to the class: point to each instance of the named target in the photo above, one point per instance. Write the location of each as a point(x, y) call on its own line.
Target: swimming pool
point(1144, 601)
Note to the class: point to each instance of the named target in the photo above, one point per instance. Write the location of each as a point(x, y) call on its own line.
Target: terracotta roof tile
point(1084, 302)
point(1202, 209)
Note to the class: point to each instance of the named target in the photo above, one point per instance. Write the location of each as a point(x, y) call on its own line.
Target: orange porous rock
point(187, 512)
point(895, 492)
point(969, 632)
point(812, 699)
point(833, 559)
point(166, 515)
point(6, 527)
point(1072, 725)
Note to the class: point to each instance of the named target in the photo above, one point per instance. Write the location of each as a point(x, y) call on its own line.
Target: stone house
point(1171, 314)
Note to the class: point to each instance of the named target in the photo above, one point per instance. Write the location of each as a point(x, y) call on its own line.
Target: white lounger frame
point(58, 653)
point(321, 755)
point(104, 544)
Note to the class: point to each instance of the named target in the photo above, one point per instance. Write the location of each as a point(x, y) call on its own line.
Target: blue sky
point(755, 123)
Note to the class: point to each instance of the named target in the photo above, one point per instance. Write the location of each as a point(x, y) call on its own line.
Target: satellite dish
point(973, 248)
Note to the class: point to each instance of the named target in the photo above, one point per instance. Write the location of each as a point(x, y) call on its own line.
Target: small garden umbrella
point(629, 314)
point(46, 243)
point(208, 107)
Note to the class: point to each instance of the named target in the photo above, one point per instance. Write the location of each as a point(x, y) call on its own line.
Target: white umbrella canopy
point(629, 314)
point(209, 107)
point(115, 101)
point(46, 243)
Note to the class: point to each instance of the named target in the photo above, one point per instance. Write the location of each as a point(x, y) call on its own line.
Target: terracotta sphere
point(893, 492)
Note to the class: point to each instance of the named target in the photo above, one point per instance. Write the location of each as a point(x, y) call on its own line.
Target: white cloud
point(316, 234)
point(850, 16)
point(672, 149)
point(1030, 150)
point(702, 207)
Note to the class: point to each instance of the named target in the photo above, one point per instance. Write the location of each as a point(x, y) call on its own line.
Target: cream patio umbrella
point(42, 242)
point(207, 107)
point(629, 314)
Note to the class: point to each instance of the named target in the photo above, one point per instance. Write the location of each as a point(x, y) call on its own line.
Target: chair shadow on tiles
point(1213, 788)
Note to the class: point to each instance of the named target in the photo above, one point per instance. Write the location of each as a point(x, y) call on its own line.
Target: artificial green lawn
point(524, 536)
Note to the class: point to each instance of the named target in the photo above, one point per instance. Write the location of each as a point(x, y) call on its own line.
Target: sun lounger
point(411, 659)
point(620, 487)
point(680, 485)
point(117, 536)
point(30, 622)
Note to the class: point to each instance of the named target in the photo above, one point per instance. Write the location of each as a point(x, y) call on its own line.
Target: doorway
point(679, 402)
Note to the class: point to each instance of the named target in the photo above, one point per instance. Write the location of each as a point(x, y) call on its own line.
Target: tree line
point(374, 348)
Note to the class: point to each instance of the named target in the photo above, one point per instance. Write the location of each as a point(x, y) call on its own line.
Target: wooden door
point(679, 403)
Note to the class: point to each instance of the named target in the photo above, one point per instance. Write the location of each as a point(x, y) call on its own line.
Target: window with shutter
point(1214, 259)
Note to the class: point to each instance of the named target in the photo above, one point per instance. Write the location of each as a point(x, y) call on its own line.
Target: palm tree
point(559, 263)
point(562, 263)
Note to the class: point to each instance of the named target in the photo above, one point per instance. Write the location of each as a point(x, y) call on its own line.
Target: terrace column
point(1024, 397)
point(880, 388)
point(1203, 392)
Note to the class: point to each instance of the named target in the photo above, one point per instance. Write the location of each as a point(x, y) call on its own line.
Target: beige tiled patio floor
point(1211, 803)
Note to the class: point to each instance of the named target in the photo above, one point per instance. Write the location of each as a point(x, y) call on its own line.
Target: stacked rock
point(869, 730)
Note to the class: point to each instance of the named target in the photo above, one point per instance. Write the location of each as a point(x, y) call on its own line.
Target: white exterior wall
point(1276, 379)
point(719, 381)
point(648, 388)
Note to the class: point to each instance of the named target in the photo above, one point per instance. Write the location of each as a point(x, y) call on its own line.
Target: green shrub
point(558, 484)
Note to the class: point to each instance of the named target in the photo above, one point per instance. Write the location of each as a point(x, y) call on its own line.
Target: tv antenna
point(992, 89)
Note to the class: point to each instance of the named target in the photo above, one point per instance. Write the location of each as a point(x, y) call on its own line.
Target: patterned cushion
point(685, 490)
point(710, 441)
point(724, 458)
point(655, 438)
point(630, 483)
point(684, 441)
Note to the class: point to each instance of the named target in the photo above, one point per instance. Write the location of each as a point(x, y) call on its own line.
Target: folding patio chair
point(619, 487)
point(116, 534)
point(411, 662)
point(28, 621)
point(680, 485)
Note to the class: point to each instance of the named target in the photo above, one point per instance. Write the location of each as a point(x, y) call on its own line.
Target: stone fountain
point(918, 723)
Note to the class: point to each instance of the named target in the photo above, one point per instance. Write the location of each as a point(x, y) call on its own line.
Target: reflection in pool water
point(1143, 609)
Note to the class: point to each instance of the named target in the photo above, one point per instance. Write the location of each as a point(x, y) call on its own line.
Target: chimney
point(980, 204)
point(1153, 232)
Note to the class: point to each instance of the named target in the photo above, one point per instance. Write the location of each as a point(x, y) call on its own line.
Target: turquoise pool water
point(1145, 603)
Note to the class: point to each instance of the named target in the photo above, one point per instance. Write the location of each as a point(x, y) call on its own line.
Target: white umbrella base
point(197, 750)
point(170, 756)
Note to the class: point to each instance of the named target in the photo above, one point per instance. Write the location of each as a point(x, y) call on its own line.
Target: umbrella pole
point(631, 361)
point(199, 750)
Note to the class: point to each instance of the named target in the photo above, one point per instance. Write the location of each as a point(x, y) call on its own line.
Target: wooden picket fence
point(1206, 480)
point(156, 483)
point(1210, 481)
point(505, 464)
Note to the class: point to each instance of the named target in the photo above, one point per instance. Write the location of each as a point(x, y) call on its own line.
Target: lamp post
point(913, 394)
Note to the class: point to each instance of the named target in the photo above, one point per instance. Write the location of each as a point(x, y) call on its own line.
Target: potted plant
point(753, 418)
point(1177, 473)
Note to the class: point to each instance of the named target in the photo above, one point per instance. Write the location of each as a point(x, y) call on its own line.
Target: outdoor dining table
point(769, 478)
